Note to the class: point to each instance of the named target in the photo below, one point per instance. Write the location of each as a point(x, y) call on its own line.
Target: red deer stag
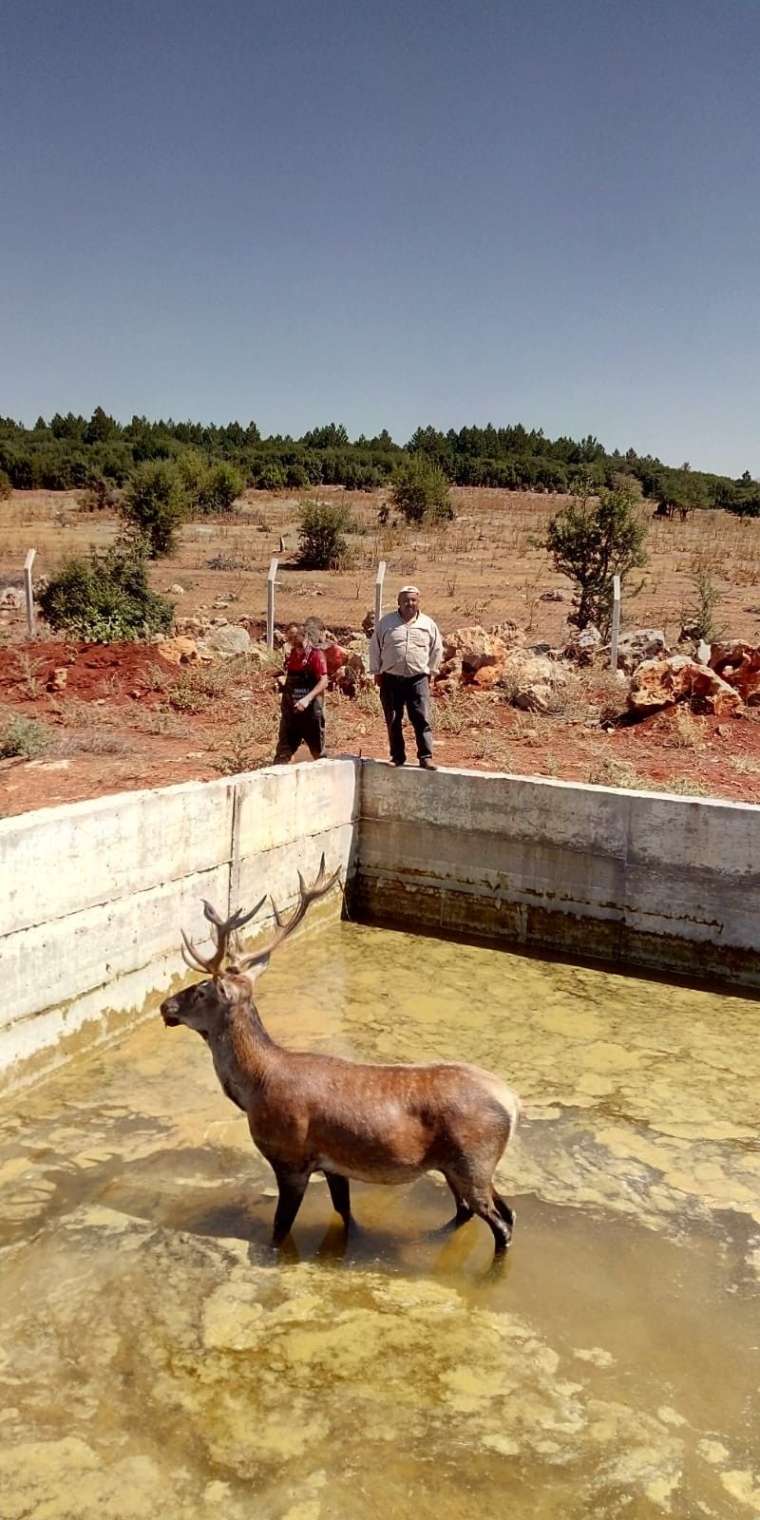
point(348, 1119)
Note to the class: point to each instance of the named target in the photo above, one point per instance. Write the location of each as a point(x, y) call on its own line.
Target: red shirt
point(314, 662)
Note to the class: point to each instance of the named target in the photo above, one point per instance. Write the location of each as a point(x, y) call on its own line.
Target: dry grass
point(96, 741)
point(484, 564)
point(686, 731)
point(617, 773)
point(28, 673)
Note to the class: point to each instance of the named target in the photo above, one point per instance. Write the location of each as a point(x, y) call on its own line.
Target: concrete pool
point(158, 1360)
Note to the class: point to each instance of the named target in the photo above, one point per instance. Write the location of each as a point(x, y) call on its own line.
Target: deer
point(350, 1120)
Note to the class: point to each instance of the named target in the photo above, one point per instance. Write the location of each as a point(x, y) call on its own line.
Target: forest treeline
point(72, 452)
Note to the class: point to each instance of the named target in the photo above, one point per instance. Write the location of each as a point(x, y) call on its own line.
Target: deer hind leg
point(464, 1212)
point(480, 1198)
point(340, 1195)
point(507, 1214)
point(292, 1186)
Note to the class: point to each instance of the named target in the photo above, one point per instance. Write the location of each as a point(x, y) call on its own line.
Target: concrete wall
point(94, 894)
point(641, 878)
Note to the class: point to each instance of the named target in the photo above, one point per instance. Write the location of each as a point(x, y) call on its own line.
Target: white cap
point(415, 590)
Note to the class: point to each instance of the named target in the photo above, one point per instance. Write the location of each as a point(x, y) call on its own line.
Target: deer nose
point(169, 1010)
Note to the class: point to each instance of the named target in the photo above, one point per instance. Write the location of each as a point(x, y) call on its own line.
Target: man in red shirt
point(302, 716)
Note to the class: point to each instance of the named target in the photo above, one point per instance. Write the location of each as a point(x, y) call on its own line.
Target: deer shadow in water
point(312, 1113)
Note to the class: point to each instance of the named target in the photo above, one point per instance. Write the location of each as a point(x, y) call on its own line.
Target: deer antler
point(285, 926)
point(223, 930)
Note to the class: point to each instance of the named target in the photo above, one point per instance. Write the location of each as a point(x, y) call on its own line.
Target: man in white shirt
point(405, 651)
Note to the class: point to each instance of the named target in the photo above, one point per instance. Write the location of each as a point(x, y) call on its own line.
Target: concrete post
point(29, 593)
point(379, 579)
point(615, 621)
point(271, 578)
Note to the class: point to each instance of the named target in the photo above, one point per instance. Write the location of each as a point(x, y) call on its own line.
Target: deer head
point(203, 1006)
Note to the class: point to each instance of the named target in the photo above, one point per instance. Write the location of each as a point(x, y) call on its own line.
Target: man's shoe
point(427, 765)
point(398, 762)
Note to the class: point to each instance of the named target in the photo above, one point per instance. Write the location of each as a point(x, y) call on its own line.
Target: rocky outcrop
point(582, 648)
point(181, 650)
point(226, 642)
point(738, 664)
point(637, 645)
point(468, 651)
point(662, 683)
point(533, 682)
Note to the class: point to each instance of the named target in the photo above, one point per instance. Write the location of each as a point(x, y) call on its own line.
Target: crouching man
point(405, 651)
point(302, 714)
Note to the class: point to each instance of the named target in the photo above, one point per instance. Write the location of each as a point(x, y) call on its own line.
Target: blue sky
point(387, 214)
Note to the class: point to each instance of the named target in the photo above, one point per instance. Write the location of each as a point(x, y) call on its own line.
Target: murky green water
point(156, 1361)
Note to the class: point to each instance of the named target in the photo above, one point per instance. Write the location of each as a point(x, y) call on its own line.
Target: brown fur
point(349, 1119)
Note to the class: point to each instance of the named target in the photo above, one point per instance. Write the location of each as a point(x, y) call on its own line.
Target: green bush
point(5, 486)
point(322, 545)
point(271, 477)
point(105, 598)
point(421, 492)
point(155, 502)
point(592, 540)
point(25, 738)
point(220, 488)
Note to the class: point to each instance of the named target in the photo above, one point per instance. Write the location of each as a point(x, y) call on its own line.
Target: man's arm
point(375, 653)
point(311, 696)
point(436, 649)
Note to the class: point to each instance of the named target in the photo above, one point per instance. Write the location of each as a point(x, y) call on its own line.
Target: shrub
point(421, 492)
point(698, 614)
point(219, 488)
point(100, 496)
point(105, 598)
point(155, 503)
point(5, 486)
point(25, 738)
point(322, 545)
point(270, 477)
point(590, 541)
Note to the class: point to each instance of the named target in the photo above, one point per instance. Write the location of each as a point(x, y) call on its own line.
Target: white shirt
point(405, 649)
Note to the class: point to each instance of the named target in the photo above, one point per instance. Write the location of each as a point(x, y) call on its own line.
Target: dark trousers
point(297, 728)
point(410, 694)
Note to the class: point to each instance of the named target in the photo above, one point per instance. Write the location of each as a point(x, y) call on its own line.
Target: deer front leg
point(341, 1198)
point(292, 1186)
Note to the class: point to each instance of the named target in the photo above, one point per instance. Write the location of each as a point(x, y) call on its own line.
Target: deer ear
point(251, 972)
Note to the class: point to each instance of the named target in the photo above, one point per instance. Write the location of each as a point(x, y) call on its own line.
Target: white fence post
point(615, 621)
point(29, 592)
point(271, 578)
point(379, 579)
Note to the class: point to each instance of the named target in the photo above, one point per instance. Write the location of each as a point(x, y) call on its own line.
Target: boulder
point(227, 641)
point(738, 664)
point(180, 650)
point(352, 677)
point(532, 682)
point(662, 683)
point(637, 645)
point(11, 599)
point(582, 648)
point(553, 596)
point(176, 589)
point(467, 650)
point(335, 657)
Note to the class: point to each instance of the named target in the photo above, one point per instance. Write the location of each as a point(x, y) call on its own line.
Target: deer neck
point(243, 1053)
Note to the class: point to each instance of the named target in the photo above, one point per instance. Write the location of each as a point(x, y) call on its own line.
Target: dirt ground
point(123, 718)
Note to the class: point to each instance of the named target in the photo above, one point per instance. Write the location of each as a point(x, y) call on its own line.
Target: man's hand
point(377, 678)
point(302, 704)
